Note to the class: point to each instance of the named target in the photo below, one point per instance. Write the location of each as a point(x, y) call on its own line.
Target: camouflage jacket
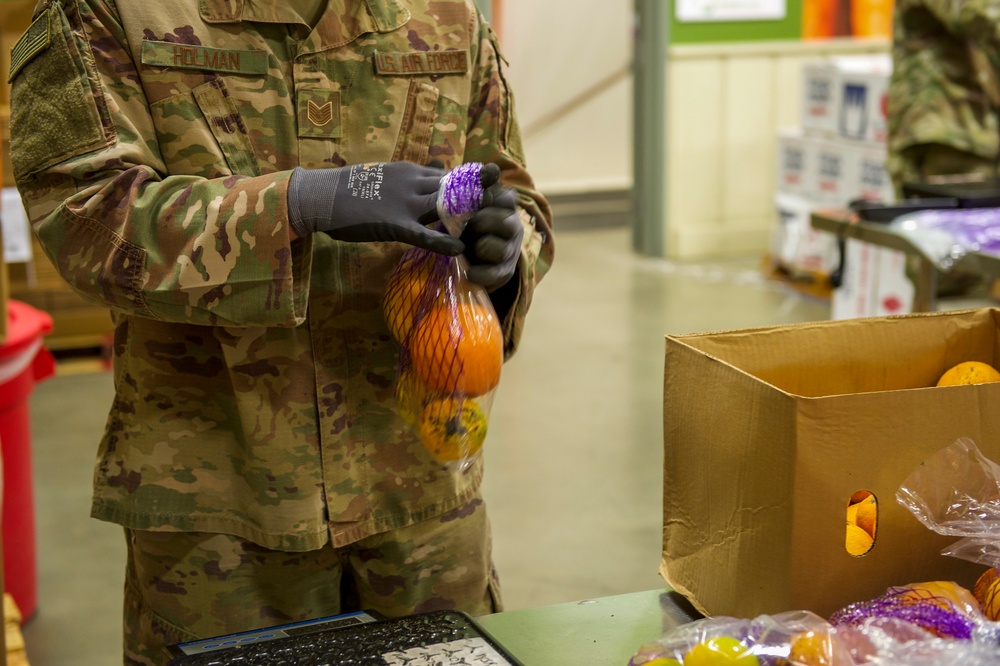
point(152, 146)
point(945, 88)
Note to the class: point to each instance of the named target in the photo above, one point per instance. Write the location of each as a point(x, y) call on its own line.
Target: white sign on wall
point(730, 10)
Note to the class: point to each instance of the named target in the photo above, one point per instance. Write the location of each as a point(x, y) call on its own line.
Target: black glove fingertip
point(489, 175)
point(446, 245)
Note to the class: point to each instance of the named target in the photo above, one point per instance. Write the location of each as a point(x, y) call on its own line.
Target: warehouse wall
point(570, 69)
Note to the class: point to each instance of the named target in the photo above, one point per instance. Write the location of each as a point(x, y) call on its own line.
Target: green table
point(594, 632)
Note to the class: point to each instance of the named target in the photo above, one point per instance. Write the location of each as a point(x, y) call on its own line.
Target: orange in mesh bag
point(451, 343)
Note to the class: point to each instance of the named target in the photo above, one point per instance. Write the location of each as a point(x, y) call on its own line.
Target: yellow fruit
point(720, 651)
point(987, 593)
point(411, 397)
point(452, 428)
point(969, 372)
point(859, 542)
point(663, 661)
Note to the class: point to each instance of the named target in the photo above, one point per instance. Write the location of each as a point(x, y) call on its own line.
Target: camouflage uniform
point(152, 145)
point(944, 96)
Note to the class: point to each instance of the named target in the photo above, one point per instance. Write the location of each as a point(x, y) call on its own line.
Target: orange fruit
point(852, 514)
point(867, 515)
point(720, 651)
point(816, 648)
point(859, 542)
point(945, 594)
point(406, 294)
point(458, 349)
point(452, 428)
point(969, 372)
point(987, 592)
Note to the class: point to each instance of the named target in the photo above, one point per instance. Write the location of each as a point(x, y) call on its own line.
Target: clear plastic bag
point(767, 639)
point(801, 638)
point(945, 235)
point(957, 493)
point(451, 343)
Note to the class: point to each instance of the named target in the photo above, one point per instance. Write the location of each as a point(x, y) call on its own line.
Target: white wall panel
point(695, 97)
point(569, 63)
point(748, 108)
point(725, 105)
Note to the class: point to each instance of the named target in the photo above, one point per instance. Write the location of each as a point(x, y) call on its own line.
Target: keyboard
point(436, 638)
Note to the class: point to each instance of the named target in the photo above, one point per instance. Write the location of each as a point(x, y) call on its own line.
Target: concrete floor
point(573, 478)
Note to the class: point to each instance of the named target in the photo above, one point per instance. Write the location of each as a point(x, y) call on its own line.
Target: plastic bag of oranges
point(451, 343)
point(801, 638)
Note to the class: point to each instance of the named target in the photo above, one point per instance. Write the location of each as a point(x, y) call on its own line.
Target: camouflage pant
point(181, 587)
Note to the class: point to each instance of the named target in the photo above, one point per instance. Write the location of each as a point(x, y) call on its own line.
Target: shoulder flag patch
point(34, 40)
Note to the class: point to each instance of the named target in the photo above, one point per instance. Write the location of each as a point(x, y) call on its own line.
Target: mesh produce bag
point(451, 344)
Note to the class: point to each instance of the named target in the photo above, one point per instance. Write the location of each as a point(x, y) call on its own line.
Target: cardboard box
point(874, 283)
point(864, 100)
point(819, 98)
point(768, 432)
point(873, 182)
point(797, 246)
point(846, 96)
point(836, 173)
point(796, 163)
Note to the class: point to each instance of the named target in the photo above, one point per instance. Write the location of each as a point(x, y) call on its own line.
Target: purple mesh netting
point(937, 615)
point(461, 191)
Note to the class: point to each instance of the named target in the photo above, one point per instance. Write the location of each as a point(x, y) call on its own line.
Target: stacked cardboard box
point(28, 275)
point(835, 156)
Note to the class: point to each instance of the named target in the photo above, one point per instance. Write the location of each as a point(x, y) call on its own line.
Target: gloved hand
point(493, 236)
point(384, 201)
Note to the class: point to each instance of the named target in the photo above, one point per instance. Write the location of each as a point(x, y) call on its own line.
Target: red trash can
point(23, 361)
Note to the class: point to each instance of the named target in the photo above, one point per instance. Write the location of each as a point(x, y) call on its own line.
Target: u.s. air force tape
point(421, 63)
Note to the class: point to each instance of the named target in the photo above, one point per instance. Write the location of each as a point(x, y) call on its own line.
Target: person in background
point(194, 166)
point(943, 107)
point(944, 94)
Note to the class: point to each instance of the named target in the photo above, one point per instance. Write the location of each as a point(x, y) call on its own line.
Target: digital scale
point(436, 638)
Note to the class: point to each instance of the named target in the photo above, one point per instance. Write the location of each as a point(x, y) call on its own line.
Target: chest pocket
point(434, 121)
point(385, 112)
point(201, 133)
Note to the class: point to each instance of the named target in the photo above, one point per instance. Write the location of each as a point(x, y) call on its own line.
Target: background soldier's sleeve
point(944, 98)
point(118, 228)
point(494, 136)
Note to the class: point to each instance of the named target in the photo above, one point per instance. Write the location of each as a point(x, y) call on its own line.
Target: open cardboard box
point(768, 432)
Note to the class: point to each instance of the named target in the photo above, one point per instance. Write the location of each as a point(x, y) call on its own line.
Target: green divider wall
point(789, 27)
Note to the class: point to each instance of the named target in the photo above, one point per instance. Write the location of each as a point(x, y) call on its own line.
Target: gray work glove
point(493, 236)
point(384, 201)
